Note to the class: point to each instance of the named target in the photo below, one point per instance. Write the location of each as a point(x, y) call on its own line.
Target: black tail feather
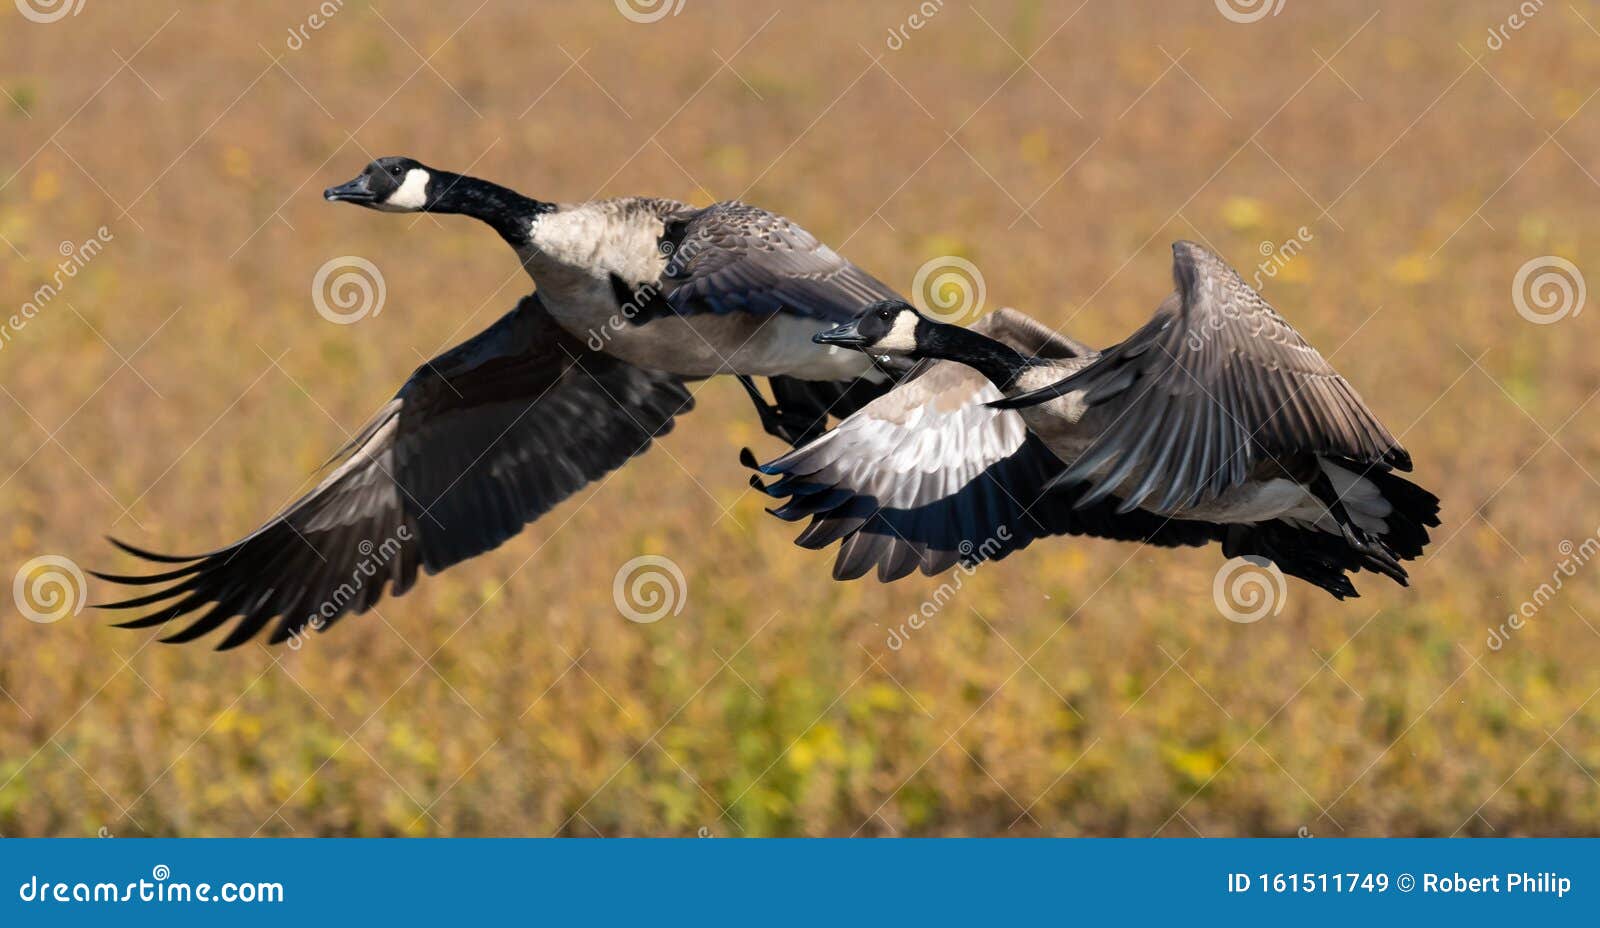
point(1316, 557)
point(1415, 511)
point(1325, 560)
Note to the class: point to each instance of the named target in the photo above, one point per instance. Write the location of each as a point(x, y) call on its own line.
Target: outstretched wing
point(478, 442)
point(732, 257)
point(930, 475)
point(1216, 384)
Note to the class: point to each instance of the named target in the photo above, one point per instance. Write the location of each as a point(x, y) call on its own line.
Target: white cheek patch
point(412, 195)
point(902, 336)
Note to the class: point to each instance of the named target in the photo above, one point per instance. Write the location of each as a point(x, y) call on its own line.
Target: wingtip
point(1021, 400)
point(1034, 397)
point(146, 599)
point(142, 579)
point(1340, 587)
point(1185, 250)
point(148, 620)
point(151, 555)
point(1187, 257)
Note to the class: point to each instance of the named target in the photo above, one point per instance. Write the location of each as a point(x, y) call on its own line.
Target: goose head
point(394, 185)
point(885, 328)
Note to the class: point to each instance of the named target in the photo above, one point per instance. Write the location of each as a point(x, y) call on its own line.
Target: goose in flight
point(724, 289)
point(1215, 421)
point(479, 442)
point(635, 297)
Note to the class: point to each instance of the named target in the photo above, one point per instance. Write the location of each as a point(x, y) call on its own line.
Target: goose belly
point(704, 344)
point(1293, 502)
point(1255, 502)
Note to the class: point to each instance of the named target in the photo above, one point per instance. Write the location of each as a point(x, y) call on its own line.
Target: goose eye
point(395, 170)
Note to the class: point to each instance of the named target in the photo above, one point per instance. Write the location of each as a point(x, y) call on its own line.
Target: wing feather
point(1220, 373)
point(478, 442)
point(733, 257)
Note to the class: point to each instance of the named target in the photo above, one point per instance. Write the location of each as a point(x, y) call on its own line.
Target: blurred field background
point(181, 388)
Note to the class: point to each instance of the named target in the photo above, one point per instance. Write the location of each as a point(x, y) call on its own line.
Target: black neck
point(504, 209)
point(1001, 364)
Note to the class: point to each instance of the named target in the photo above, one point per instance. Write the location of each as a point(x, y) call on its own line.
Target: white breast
point(601, 239)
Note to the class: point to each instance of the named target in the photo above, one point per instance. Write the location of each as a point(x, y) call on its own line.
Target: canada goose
point(728, 288)
point(479, 442)
point(1215, 421)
